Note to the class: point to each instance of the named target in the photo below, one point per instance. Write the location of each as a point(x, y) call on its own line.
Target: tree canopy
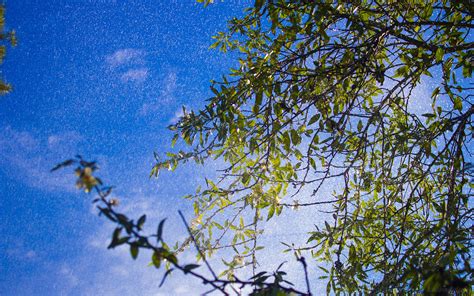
point(326, 95)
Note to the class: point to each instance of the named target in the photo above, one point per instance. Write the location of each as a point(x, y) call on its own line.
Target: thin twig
point(305, 268)
point(197, 246)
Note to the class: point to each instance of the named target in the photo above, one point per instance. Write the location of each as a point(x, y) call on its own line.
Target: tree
point(324, 94)
point(5, 39)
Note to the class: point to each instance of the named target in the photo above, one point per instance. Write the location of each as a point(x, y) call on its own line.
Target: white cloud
point(128, 64)
point(64, 140)
point(125, 56)
point(135, 75)
point(169, 86)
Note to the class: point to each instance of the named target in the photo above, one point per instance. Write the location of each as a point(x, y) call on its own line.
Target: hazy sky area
point(102, 79)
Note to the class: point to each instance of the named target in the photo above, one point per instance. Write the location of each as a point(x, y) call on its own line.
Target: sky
point(100, 78)
point(104, 79)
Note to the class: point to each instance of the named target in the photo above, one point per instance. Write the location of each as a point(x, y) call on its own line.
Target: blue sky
point(102, 79)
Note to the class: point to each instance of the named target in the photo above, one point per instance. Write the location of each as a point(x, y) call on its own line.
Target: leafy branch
point(130, 232)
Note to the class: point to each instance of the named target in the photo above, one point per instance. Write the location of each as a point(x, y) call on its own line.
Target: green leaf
point(154, 171)
point(172, 258)
point(134, 251)
point(439, 54)
point(189, 267)
point(115, 238)
point(156, 259)
point(141, 222)
point(312, 163)
point(457, 103)
point(271, 212)
point(313, 119)
point(402, 71)
point(328, 227)
point(428, 115)
point(278, 210)
point(159, 232)
point(295, 137)
point(245, 178)
point(173, 141)
point(286, 141)
point(258, 101)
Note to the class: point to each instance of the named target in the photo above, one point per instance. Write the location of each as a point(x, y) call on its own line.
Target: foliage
point(324, 95)
point(130, 232)
point(5, 39)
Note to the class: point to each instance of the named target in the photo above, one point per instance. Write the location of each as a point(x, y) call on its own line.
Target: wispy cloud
point(125, 57)
point(65, 140)
point(135, 75)
point(169, 86)
point(128, 64)
point(166, 96)
point(29, 158)
point(19, 250)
